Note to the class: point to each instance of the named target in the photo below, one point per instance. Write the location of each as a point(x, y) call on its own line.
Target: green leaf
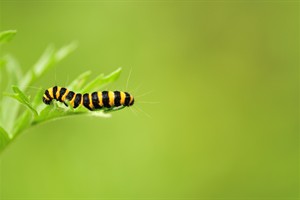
point(13, 69)
point(8, 106)
point(53, 112)
point(50, 113)
point(2, 65)
point(6, 36)
point(79, 81)
point(23, 122)
point(101, 81)
point(4, 138)
point(44, 62)
point(65, 51)
point(37, 100)
point(49, 58)
point(22, 98)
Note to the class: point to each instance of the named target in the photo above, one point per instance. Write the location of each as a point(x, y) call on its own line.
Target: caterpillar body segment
point(92, 101)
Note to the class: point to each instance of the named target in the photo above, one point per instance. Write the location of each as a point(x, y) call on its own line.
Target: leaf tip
point(6, 36)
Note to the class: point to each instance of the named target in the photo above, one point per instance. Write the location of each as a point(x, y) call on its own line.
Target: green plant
point(13, 119)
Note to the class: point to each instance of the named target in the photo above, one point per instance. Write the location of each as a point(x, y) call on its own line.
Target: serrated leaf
point(101, 81)
point(6, 36)
point(22, 98)
point(79, 81)
point(4, 138)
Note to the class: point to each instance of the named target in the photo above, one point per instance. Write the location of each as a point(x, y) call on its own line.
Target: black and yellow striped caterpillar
point(92, 101)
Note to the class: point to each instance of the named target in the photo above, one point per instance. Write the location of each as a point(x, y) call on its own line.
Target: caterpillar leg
point(114, 109)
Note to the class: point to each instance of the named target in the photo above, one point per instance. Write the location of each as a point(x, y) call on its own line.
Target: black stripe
point(77, 100)
point(48, 95)
point(95, 100)
point(132, 101)
point(127, 99)
point(70, 95)
point(54, 90)
point(86, 101)
point(117, 98)
point(61, 93)
point(105, 99)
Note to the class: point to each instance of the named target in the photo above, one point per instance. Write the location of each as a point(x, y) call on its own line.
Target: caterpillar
point(92, 101)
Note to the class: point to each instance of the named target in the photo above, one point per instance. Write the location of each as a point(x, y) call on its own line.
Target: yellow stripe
point(50, 90)
point(81, 101)
point(111, 97)
point(100, 98)
point(63, 98)
point(58, 91)
point(91, 103)
point(72, 100)
point(46, 97)
point(122, 100)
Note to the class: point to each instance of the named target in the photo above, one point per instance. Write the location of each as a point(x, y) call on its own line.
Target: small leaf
point(22, 98)
point(9, 107)
point(6, 36)
point(79, 81)
point(4, 138)
point(44, 62)
point(13, 69)
point(65, 51)
point(49, 58)
point(37, 100)
point(102, 80)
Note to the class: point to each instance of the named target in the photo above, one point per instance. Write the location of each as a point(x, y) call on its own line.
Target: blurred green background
point(226, 79)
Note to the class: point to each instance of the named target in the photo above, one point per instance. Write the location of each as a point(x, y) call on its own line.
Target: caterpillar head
point(131, 101)
point(46, 100)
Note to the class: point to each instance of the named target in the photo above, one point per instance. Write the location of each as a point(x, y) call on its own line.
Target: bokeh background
point(219, 120)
